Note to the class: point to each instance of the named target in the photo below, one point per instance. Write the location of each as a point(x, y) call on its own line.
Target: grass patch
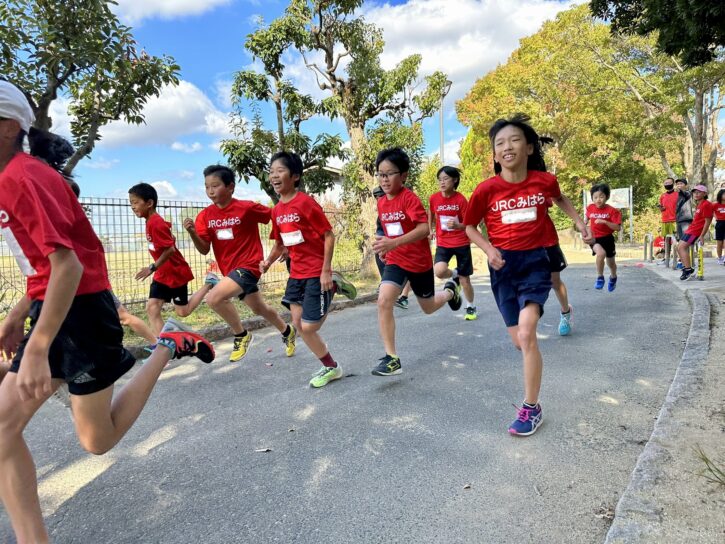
point(712, 472)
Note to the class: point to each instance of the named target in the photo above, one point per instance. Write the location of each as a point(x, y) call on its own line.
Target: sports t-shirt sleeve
point(200, 226)
point(274, 233)
point(474, 211)
point(616, 216)
point(709, 210)
point(160, 232)
point(260, 213)
point(317, 218)
point(414, 208)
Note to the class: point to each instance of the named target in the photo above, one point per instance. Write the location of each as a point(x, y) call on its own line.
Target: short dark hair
point(451, 172)
point(224, 173)
point(600, 188)
point(291, 161)
point(720, 194)
point(681, 180)
point(145, 191)
point(395, 155)
point(668, 178)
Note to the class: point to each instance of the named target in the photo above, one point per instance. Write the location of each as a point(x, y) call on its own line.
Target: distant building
point(334, 194)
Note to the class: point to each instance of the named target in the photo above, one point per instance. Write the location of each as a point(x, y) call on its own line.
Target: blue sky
point(464, 38)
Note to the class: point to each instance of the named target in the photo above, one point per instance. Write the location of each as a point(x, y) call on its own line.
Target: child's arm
point(568, 208)
point(11, 328)
point(705, 229)
point(614, 226)
point(146, 271)
point(493, 254)
point(431, 224)
point(202, 246)
point(383, 244)
point(277, 250)
point(326, 275)
point(65, 275)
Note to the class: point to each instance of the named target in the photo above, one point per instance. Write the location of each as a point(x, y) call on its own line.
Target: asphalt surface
point(420, 457)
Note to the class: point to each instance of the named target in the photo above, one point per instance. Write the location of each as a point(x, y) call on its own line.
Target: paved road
point(371, 459)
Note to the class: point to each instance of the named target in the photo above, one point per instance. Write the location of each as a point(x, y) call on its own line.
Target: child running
point(446, 211)
point(75, 336)
point(557, 263)
point(701, 220)
point(720, 224)
point(605, 220)
point(513, 206)
point(171, 273)
point(402, 301)
point(300, 225)
point(406, 254)
point(231, 228)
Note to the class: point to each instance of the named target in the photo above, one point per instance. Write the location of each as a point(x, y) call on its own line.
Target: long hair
point(535, 161)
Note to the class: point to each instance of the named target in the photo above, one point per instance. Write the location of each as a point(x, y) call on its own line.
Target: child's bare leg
point(387, 295)
point(533, 363)
point(560, 291)
point(256, 303)
point(718, 246)
point(153, 311)
point(467, 287)
point(441, 270)
point(18, 482)
point(136, 324)
point(432, 304)
point(612, 264)
point(194, 301)
point(683, 250)
point(218, 300)
point(600, 253)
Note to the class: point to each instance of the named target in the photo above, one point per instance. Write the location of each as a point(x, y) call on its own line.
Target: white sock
point(454, 273)
point(468, 303)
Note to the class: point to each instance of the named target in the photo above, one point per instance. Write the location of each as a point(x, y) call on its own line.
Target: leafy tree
point(692, 29)
point(428, 182)
point(79, 48)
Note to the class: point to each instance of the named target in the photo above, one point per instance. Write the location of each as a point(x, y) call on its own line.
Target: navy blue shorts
point(526, 277)
point(308, 293)
point(689, 239)
point(246, 280)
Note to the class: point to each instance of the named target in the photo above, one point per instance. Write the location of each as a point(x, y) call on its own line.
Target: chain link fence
point(123, 237)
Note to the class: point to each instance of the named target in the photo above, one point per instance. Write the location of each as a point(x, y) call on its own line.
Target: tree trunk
point(698, 137)
point(368, 205)
point(86, 148)
point(277, 99)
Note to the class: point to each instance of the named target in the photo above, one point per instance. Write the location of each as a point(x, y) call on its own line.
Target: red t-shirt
point(719, 212)
point(606, 212)
point(445, 209)
point(175, 271)
point(234, 234)
point(515, 214)
point(400, 215)
point(705, 210)
point(300, 225)
point(659, 242)
point(669, 201)
point(39, 214)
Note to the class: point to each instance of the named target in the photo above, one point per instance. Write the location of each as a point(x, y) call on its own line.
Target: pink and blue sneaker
point(527, 421)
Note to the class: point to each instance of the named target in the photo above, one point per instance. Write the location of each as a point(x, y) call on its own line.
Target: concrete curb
point(220, 332)
point(637, 514)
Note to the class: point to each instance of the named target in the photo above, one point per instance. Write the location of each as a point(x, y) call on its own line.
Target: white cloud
point(99, 164)
point(187, 148)
point(187, 174)
point(451, 150)
point(133, 11)
point(165, 189)
point(59, 116)
point(223, 88)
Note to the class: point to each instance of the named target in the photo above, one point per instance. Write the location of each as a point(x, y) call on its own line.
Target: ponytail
point(51, 148)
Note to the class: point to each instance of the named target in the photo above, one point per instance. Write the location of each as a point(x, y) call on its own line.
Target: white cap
point(14, 105)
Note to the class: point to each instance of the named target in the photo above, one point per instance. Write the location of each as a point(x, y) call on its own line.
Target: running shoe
point(344, 287)
point(599, 284)
point(565, 323)
point(388, 366)
point(612, 284)
point(527, 421)
point(471, 313)
point(721, 260)
point(456, 301)
point(173, 325)
point(290, 341)
point(211, 279)
point(325, 375)
point(402, 302)
point(687, 273)
point(184, 343)
point(241, 346)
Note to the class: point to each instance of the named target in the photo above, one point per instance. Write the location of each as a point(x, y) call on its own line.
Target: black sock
point(241, 334)
point(287, 331)
point(403, 297)
point(566, 313)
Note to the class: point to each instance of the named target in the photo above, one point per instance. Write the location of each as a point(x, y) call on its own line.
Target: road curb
point(221, 332)
point(637, 514)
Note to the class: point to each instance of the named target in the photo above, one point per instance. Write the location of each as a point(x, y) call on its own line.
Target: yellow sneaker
point(241, 346)
point(290, 341)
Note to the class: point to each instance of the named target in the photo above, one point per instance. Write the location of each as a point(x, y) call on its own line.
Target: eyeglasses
point(385, 176)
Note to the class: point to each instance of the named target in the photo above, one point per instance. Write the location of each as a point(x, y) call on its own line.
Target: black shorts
point(308, 294)
point(179, 295)
point(246, 280)
point(682, 226)
point(116, 300)
point(720, 230)
point(607, 243)
point(380, 264)
point(557, 261)
point(524, 278)
point(422, 283)
point(464, 261)
point(88, 352)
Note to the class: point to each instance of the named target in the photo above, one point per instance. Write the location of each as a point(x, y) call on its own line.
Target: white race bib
point(292, 238)
point(394, 229)
point(444, 221)
point(152, 247)
point(225, 234)
point(25, 267)
point(519, 215)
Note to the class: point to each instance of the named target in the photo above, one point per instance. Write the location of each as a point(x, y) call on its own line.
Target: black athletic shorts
point(179, 295)
point(246, 280)
point(607, 243)
point(557, 261)
point(422, 283)
point(308, 294)
point(720, 230)
point(88, 352)
point(464, 261)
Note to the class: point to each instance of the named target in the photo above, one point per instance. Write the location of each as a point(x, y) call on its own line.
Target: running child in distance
point(701, 220)
point(300, 225)
point(231, 228)
point(75, 335)
point(406, 254)
point(445, 213)
point(605, 220)
point(513, 206)
point(171, 273)
point(719, 211)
